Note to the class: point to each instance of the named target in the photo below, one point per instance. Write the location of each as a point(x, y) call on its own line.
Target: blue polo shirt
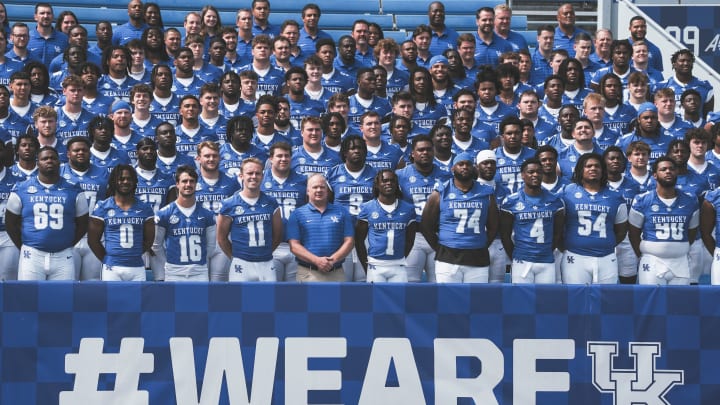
point(540, 68)
point(517, 41)
point(488, 54)
point(123, 34)
point(244, 54)
point(349, 69)
point(439, 43)
point(321, 233)
point(337, 82)
point(7, 69)
point(45, 49)
point(366, 59)
point(654, 55)
point(270, 30)
point(307, 42)
point(562, 41)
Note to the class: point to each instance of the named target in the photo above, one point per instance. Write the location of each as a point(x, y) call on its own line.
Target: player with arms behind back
point(41, 214)
point(187, 230)
point(595, 222)
point(389, 224)
point(531, 225)
point(249, 227)
point(127, 225)
point(459, 221)
point(663, 224)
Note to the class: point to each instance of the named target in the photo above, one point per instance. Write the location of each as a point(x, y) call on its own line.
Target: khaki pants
point(307, 275)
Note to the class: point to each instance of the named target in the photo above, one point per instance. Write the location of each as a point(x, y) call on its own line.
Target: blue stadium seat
point(333, 21)
point(19, 12)
point(398, 36)
point(457, 22)
point(530, 38)
point(519, 22)
point(326, 6)
point(421, 7)
point(278, 6)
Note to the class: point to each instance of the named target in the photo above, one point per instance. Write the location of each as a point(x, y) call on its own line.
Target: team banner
point(694, 26)
point(190, 344)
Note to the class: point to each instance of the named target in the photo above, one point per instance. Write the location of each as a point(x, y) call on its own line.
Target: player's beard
point(667, 183)
point(461, 177)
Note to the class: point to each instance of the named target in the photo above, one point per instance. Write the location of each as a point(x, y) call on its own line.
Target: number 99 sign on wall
point(695, 27)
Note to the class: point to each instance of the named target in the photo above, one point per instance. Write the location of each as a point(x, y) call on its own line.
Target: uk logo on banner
point(643, 384)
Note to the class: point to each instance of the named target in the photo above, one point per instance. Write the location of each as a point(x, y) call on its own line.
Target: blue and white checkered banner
point(137, 344)
point(694, 26)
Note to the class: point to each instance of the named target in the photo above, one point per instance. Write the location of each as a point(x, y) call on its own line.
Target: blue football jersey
point(710, 172)
point(351, 192)
point(111, 158)
point(119, 91)
point(427, 117)
point(386, 157)
point(93, 182)
point(168, 166)
point(713, 198)
point(154, 190)
point(124, 231)
point(387, 230)
point(187, 141)
point(185, 235)
point(251, 230)
point(67, 126)
point(128, 147)
point(463, 216)
point(7, 183)
point(590, 220)
point(628, 187)
point(416, 187)
point(303, 163)
point(218, 127)
point(508, 167)
point(664, 223)
point(145, 129)
point(211, 196)
point(48, 213)
point(658, 144)
point(289, 194)
point(166, 110)
point(231, 159)
point(619, 120)
point(533, 225)
point(379, 105)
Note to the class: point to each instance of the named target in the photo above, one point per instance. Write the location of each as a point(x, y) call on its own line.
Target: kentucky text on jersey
point(591, 207)
point(282, 194)
point(124, 220)
point(187, 231)
point(47, 199)
point(355, 190)
point(535, 215)
point(253, 218)
point(150, 190)
point(464, 204)
point(672, 219)
point(388, 225)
